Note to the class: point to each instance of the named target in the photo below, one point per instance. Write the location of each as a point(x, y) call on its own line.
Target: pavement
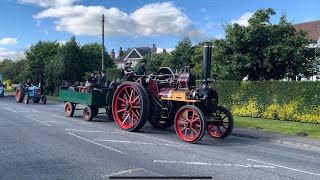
point(38, 142)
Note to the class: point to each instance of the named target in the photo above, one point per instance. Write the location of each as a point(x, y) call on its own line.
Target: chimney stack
point(113, 54)
point(164, 51)
point(154, 48)
point(120, 52)
point(207, 50)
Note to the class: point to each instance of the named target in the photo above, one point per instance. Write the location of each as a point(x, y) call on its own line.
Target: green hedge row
point(282, 100)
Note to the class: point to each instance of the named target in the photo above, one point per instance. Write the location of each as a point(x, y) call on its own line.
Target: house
point(134, 54)
point(313, 29)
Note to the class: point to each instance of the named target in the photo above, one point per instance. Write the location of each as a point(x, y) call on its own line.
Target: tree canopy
point(264, 51)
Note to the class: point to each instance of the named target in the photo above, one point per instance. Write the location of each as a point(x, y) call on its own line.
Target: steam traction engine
point(167, 98)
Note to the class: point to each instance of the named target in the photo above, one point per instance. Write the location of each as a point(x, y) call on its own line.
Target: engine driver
point(129, 72)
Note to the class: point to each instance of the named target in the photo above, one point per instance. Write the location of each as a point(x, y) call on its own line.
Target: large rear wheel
point(190, 123)
point(20, 94)
point(221, 124)
point(130, 106)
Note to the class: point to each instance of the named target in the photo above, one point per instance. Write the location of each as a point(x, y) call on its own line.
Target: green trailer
point(93, 100)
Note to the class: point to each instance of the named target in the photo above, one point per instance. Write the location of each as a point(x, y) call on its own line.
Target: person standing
point(128, 72)
point(103, 79)
point(142, 69)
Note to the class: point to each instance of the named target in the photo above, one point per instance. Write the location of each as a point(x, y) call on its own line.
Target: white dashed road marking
point(132, 142)
point(213, 164)
point(124, 172)
point(284, 167)
point(88, 140)
point(38, 120)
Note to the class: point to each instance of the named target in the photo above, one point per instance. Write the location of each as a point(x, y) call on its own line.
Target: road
point(38, 142)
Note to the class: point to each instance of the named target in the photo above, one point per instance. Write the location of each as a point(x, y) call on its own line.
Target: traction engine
point(167, 98)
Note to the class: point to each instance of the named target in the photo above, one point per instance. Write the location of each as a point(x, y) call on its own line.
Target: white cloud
point(8, 41)
point(168, 50)
point(49, 3)
point(149, 20)
point(243, 20)
point(13, 55)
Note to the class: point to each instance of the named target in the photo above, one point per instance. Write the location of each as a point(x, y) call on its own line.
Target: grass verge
point(284, 127)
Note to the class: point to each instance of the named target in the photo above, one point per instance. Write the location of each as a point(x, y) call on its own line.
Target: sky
point(132, 23)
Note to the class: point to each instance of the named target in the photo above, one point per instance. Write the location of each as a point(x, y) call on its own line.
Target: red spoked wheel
point(190, 123)
point(20, 94)
point(221, 124)
point(69, 109)
point(130, 106)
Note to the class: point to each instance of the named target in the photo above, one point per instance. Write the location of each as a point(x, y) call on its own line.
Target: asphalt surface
point(38, 142)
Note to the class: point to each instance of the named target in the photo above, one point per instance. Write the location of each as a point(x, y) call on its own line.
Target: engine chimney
point(207, 50)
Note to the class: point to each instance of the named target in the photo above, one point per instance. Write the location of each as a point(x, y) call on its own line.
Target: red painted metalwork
point(188, 124)
point(127, 106)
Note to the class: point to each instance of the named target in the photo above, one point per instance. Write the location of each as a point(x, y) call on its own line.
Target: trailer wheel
point(130, 106)
point(20, 94)
point(190, 123)
point(69, 109)
point(88, 113)
point(26, 99)
point(222, 125)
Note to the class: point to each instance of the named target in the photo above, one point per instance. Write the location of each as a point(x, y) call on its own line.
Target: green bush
point(282, 100)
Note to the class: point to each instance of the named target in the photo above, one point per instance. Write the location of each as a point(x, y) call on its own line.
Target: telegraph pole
point(102, 53)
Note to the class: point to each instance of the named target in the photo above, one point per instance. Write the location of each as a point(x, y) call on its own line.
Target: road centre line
point(213, 164)
point(88, 140)
point(124, 172)
point(284, 167)
point(37, 120)
point(132, 142)
point(150, 137)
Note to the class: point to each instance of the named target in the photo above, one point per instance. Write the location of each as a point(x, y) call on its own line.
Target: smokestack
point(207, 50)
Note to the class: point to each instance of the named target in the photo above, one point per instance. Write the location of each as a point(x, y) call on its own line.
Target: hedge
point(282, 100)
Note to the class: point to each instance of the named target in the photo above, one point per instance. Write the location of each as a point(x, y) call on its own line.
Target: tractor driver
point(28, 83)
point(128, 71)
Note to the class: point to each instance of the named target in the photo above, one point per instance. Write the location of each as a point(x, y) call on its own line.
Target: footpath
point(296, 141)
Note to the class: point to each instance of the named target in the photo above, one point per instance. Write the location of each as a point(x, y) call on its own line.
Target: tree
point(73, 68)
point(182, 54)
point(37, 57)
point(91, 55)
point(157, 60)
point(264, 51)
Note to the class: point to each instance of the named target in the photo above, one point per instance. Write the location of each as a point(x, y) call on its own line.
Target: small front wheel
point(88, 113)
point(222, 123)
point(190, 123)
